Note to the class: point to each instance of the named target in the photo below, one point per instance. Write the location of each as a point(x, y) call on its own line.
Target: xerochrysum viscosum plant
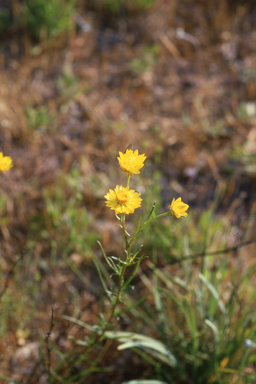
point(5, 162)
point(124, 201)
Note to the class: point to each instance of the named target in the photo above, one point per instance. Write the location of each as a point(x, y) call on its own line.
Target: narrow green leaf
point(141, 216)
point(78, 342)
point(131, 340)
point(137, 251)
point(153, 347)
point(138, 230)
point(105, 256)
point(114, 267)
point(181, 283)
point(101, 277)
point(214, 329)
point(158, 299)
point(152, 212)
point(132, 306)
point(171, 361)
point(191, 321)
point(134, 272)
point(81, 323)
point(213, 291)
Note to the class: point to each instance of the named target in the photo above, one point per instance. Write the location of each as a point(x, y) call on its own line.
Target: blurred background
point(81, 80)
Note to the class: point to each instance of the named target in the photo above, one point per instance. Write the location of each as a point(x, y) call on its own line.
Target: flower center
point(122, 196)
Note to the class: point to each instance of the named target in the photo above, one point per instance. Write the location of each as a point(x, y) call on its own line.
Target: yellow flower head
point(5, 162)
point(123, 200)
point(131, 162)
point(178, 208)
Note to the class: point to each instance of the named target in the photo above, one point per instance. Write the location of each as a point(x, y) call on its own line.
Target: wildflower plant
point(5, 162)
point(124, 201)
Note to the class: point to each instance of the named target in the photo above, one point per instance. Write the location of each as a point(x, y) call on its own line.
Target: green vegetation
point(64, 229)
point(41, 19)
point(38, 118)
point(200, 318)
point(47, 18)
point(116, 6)
point(145, 60)
point(4, 19)
point(200, 314)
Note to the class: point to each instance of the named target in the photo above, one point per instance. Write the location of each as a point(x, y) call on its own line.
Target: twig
point(170, 46)
point(181, 34)
point(9, 274)
point(46, 340)
point(206, 254)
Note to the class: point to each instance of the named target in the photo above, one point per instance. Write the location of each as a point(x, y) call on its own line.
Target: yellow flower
point(178, 208)
point(123, 200)
point(131, 162)
point(5, 162)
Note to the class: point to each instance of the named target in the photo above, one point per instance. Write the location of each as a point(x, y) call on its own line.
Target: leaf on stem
point(152, 212)
point(79, 342)
point(112, 264)
point(214, 329)
point(127, 233)
point(215, 294)
point(134, 272)
point(108, 259)
point(136, 252)
point(91, 328)
point(101, 277)
point(152, 346)
point(133, 305)
point(141, 216)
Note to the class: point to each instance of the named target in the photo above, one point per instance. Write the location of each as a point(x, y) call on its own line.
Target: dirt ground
point(177, 82)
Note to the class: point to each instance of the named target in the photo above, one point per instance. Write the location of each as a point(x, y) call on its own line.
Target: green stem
point(145, 224)
point(119, 292)
point(155, 217)
point(121, 275)
point(128, 248)
point(123, 269)
point(127, 254)
point(124, 231)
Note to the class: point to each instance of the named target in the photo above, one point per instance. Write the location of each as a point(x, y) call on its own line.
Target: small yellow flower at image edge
point(123, 200)
point(131, 162)
point(178, 208)
point(5, 162)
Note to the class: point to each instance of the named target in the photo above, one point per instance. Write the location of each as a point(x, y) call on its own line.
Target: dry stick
point(206, 254)
point(46, 340)
point(7, 280)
